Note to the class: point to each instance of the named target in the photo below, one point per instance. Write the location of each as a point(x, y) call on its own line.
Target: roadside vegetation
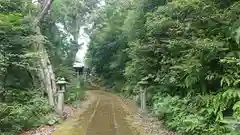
point(186, 50)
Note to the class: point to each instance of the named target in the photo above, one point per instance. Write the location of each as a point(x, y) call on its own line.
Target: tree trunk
point(47, 75)
point(46, 7)
point(45, 70)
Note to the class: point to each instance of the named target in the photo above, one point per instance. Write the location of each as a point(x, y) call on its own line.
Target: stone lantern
point(144, 83)
point(143, 91)
point(60, 98)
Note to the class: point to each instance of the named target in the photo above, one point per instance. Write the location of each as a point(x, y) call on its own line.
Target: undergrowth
point(28, 110)
point(74, 95)
point(215, 114)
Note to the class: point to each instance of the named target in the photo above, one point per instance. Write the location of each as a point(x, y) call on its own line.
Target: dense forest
point(38, 43)
point(188, 52)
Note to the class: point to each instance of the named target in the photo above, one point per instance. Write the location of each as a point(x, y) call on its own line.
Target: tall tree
point(73, 15)
point(45, 68)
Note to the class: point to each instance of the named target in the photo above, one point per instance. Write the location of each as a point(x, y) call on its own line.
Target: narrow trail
point(106, 115)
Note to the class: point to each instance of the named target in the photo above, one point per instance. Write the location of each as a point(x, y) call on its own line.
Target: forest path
point(105, 115)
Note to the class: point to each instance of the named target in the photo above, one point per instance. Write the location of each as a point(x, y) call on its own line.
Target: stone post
point(60, 102)
point(142, 84)
point(78, 80)
point(143, 99)
point(60, 95)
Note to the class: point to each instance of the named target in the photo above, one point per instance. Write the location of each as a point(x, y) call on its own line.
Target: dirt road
point(106, 115)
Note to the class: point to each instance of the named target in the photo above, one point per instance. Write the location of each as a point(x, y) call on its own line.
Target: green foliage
point(27, 111)
point(201, 114)
point(74, 95)
point(23, 102)
point(190, 48)
point(110, 35)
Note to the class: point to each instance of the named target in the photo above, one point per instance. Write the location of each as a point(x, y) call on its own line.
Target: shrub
point(16, 116)
point(74, 95)
point(198, 114)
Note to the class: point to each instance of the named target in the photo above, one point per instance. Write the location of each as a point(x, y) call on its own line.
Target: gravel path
point(104, 113)
point(105, 116)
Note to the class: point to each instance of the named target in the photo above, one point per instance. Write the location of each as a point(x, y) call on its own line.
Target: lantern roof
point(62, 81)
point(78, 64)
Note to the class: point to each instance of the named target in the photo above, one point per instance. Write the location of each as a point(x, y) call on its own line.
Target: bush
point(16, 116)
point(198, 114)
point(73, 95)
